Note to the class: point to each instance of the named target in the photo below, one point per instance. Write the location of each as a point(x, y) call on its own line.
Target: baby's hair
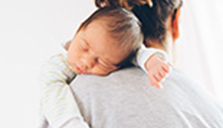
point(151, 13)
point(123, 27)
point(127, 4)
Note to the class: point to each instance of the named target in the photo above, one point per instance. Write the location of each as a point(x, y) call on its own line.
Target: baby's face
point(92, 51)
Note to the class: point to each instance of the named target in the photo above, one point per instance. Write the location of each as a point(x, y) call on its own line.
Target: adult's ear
point(175, 24)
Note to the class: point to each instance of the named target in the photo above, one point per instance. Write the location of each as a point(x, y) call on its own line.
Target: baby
point(107, 41)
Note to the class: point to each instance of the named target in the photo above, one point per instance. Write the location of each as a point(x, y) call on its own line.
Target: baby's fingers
point(152, 79)
point(158, 77)
point(165, 73)
point(162, 73)
point(158, 85)
point(156, 80)
point(166, 67)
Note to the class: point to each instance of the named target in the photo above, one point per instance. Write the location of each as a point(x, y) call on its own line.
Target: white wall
point(200, 46)
point(31, 31)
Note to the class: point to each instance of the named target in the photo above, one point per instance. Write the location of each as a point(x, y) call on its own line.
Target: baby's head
point(105, 41)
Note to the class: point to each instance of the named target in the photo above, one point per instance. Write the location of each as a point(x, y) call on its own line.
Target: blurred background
point(31, 31)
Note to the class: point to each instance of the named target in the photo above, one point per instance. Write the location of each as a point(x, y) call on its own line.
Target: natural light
point(200, 46)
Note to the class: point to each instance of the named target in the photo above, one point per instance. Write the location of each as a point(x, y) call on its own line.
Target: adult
point(125, 99)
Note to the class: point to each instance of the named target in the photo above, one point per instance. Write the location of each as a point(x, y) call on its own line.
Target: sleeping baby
point(110, 39)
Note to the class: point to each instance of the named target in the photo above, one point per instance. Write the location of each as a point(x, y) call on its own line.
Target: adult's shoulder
point(126, 72)
point(126, 75)
point(181, 103)
point(123, 76)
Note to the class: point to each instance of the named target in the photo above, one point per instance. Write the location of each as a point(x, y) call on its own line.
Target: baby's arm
point(154, 63)
point(57, 101)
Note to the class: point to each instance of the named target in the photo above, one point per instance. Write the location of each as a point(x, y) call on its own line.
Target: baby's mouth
point(79, 69)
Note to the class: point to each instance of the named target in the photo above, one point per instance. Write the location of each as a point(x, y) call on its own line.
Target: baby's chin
point(92, 72)
point(96, 73)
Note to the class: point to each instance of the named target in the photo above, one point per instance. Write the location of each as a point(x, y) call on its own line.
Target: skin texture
point(92, 51)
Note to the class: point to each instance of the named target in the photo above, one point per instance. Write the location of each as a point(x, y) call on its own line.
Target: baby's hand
point(157, 70)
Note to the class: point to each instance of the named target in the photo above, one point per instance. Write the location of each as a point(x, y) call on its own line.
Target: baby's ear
point(67, 45)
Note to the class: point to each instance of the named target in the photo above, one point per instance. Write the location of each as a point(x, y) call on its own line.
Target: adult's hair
point(123, 27)
point(152, 14)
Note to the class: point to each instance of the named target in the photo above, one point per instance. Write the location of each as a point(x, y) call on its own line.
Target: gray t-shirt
point(125, 99)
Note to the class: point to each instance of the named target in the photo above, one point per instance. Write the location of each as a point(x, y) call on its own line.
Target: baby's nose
point(89, 62)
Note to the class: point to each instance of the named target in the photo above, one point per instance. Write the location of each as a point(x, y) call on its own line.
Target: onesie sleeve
point(144, 53)
point(58, 104)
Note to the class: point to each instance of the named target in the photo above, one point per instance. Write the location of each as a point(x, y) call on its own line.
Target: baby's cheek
point(71, 62)
point(100, 71)
point(71, 58)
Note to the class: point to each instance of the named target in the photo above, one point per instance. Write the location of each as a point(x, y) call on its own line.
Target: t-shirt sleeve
point(144, 53)
point(57, 100)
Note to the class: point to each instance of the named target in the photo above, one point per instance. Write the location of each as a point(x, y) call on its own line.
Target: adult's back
point(125, 99)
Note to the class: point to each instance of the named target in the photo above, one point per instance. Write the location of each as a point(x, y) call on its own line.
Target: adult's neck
point(166, 46)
